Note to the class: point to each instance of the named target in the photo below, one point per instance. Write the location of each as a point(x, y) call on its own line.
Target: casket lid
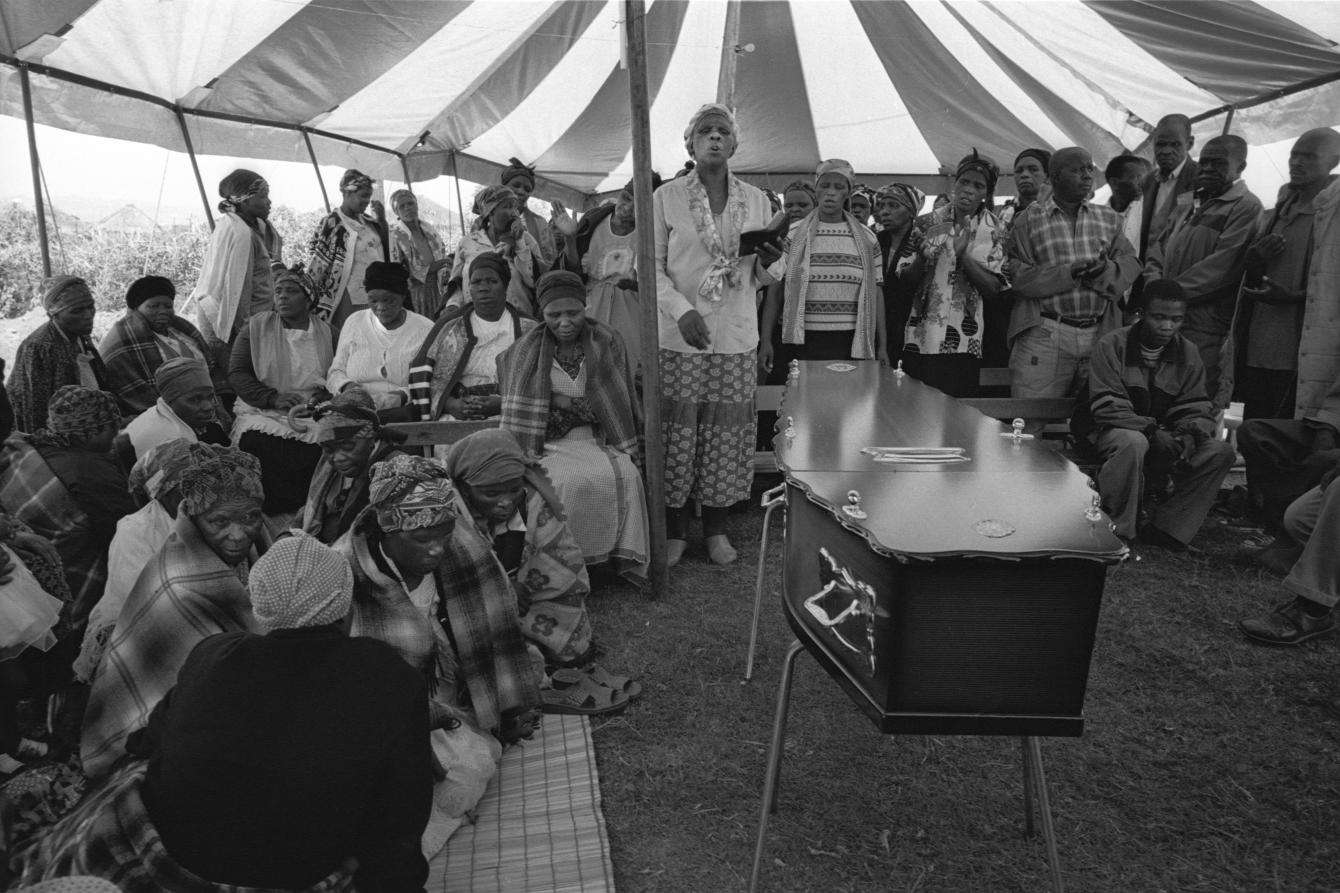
point(1009, 499)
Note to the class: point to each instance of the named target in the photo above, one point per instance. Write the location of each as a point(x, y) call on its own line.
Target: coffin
point(950, 591)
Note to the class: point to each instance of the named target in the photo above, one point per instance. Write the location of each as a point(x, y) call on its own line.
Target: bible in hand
point(774, 232)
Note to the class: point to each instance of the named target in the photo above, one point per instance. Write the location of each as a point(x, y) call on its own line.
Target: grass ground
point(1207, 763)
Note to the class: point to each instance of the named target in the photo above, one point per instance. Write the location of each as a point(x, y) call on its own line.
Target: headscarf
point(558, 284)
point(350, 413)
point(411, 493)
point(984, 166)
point(864, 190)
point(1042, 155)
point(706, 110)
point(392, 277)
point(516, 169)
point(628, 187)
point(237, 187)
point(76, 413)
point(179, 376)
point(398, 195)
point(909, 197)
point(800, 186)
point(60, 293)
point(354, 180)
point(158, 471)
point(486, 457)
point(300, 582)
point(494, 261)
point(489, 198)
point(835, 166)
point(147, 287)
point(296, 273)
point(229, 475)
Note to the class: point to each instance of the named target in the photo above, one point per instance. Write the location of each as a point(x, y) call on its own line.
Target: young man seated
point(1147, 415)
point(1312, 519)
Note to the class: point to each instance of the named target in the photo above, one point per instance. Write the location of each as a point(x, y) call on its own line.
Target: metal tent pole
point(311, 153)
point(635, 18)
point(460, 205)
point(37, 175)
point(190, 151)
point(730, 55)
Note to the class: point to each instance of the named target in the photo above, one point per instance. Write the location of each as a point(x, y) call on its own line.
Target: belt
point(1078, 322)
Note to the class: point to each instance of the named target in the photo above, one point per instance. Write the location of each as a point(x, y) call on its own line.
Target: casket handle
point(818, 613)
point(773, 497)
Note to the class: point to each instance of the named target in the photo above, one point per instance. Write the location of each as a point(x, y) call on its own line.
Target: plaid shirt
point(1044, 243)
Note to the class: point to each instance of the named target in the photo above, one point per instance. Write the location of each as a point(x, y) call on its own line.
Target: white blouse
point(378, 358)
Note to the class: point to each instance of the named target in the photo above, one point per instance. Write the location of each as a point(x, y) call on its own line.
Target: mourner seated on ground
point(57, 353)
point(194, 587)
point(186, 407)
point(455, 375)
point(568, 396)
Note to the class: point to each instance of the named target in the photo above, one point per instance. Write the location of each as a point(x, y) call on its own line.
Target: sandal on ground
point(572, 676)
point(584, 698)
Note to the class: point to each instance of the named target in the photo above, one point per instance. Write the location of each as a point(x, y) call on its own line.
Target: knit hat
point(558, 284)
point(147, 287)
point(392, 277)
point(300, 582)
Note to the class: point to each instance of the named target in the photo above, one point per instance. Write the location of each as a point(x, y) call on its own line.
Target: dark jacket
point(275, 758)
point(46, 360)
point(1186, 182)
point(1123, 393)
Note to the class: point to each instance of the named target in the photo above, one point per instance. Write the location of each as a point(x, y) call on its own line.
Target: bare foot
point(674, 551)
point(720, 550)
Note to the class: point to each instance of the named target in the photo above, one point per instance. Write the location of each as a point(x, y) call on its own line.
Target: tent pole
point(1228, 119)
point(311, 153)
point(37, 175)
point(190, 151)
point(460, 206)
point(730, 39)
point(404, 169)
point(635, 13)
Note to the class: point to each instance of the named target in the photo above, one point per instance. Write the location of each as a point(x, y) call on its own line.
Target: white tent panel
point(851, 99)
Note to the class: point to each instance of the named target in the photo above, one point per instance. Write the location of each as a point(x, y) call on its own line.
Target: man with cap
point(1069, 264)
point(1204, 249)
point(185, 408)
point(57, 353)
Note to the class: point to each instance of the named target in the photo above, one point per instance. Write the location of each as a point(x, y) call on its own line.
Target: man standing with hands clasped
point(1069, 264)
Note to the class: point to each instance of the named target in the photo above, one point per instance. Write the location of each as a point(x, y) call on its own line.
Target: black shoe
point(1288, 624)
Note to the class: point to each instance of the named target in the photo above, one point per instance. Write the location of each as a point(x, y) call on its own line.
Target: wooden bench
point(441, 432)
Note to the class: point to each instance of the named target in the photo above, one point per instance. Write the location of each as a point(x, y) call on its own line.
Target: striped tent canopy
point(406, 89)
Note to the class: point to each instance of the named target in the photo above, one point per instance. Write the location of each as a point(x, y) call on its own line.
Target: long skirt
point(707, 419)
point(590, 480)
point(619, 309)
point(110, 835)
point(287, 466)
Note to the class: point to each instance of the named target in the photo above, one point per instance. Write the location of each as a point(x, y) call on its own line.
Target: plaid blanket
point(475, 653)
point(523, 380)
point(110, 835)
point(32, 493)
point(131, 354)
point(44, 362)
point(185, 594)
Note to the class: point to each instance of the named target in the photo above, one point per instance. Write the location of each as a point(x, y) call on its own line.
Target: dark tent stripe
point(772, 103)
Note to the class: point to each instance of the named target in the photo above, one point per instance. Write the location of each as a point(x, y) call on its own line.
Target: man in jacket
point(1147, 415)
point(1204, 249)
point(1173, 181)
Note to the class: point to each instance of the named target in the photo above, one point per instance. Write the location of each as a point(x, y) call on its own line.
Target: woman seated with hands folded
point(455, 375)
point(377, 344)
point(568, 396)
point(279, 362)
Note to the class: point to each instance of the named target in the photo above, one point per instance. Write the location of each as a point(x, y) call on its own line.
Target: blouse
point(377, 358)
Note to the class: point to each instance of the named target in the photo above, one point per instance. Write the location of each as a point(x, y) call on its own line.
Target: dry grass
point(1207, 764)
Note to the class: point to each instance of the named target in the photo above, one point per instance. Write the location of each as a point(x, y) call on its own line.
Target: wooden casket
point(947, 574)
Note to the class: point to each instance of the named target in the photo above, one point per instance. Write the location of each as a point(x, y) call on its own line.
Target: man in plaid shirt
point(1069, 264)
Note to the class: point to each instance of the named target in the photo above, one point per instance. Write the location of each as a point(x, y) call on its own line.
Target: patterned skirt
point(707, 420)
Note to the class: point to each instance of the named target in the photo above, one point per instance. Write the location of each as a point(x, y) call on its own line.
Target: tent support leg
point(635, 13)
point(190, 151)
point(311, 153)
point(404, 169)
point(38, 204)
point(1228, 119)
point(460, 205)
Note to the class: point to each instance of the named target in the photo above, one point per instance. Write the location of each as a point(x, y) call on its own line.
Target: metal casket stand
point(946, 572)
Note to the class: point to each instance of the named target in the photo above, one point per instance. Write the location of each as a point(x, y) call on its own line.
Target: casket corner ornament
point(845, 598)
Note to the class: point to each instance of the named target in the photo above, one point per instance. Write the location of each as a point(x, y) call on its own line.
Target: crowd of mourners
point(252, 609)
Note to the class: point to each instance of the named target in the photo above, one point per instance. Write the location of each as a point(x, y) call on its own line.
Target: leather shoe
point(1288, 624)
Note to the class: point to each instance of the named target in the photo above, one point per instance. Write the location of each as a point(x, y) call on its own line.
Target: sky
point(91, 177)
